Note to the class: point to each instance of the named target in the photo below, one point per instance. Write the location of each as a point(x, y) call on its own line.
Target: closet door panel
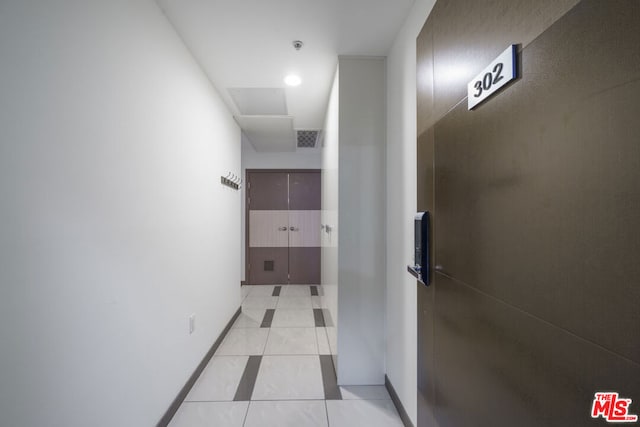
point(304, 191)
point(269, 266)
point(304, 266)
point(304, 229)
point(269, 229)
point(268, 191)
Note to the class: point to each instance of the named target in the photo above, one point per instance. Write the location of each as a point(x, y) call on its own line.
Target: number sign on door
point(500, 72)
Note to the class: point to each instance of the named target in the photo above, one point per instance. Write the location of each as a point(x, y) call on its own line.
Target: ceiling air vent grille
point(307, 138)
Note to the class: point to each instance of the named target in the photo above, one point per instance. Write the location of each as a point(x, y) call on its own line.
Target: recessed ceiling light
point(292, 80)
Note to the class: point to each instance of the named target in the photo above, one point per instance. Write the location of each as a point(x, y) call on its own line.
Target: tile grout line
point(246, 415)
point(326, 411)
point(315, 334)
point(264, 348)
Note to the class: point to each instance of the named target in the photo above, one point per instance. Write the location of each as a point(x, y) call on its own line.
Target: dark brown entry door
point(283, 227)
point(533, 308)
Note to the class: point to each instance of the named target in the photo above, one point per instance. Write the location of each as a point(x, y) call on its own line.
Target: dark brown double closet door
point(283, 227)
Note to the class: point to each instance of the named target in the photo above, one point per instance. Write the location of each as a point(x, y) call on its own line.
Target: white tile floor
point(219, 381)
point(293, 318)
point(288, 388)
point(284, 341)
point(289, 378)
point(244, 341)
point(362, 413)
point(250, 318)
point(287, 413)
point(294, 302)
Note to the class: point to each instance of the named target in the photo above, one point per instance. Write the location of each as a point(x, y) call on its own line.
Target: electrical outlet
point(192, 323)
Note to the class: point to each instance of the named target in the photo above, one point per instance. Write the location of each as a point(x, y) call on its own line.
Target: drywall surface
point(361, 220)
point(302, 158)
point(114, 226)
point(401, 341)
point(329, 218)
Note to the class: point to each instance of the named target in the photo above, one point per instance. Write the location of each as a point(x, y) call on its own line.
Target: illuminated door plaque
point(497, 74)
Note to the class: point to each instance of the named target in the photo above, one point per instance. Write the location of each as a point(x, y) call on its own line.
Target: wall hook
point(231, 180)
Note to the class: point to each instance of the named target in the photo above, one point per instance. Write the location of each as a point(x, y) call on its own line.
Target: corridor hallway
point(274, 368)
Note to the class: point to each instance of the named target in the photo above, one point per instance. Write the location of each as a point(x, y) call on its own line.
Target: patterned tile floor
point(274, 368)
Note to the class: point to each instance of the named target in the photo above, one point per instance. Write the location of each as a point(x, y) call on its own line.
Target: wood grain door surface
point(283, 227)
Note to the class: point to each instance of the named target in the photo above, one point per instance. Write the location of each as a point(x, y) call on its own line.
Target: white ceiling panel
point(248, 44)
point(259, 101)
point(269, 133)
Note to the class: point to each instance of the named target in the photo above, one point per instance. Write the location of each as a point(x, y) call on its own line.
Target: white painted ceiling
point(247, 44)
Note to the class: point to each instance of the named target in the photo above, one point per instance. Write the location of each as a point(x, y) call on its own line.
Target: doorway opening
point(283, 226)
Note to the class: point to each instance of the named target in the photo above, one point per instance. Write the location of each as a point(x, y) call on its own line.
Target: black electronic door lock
point(421, 269)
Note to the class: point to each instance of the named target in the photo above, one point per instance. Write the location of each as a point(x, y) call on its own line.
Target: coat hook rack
point(231, 180)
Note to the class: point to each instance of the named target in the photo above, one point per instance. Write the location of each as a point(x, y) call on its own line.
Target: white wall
point(302, 158)
point(401, 346)
point(330, 193)
point(113, 224)
point(361, 221)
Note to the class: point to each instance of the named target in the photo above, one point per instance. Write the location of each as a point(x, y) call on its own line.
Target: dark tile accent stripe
point(166, 418)
point(276, 291)
point(248, 380)
point(328, 320)
point(318, 317)
point(268, 318)
point(329, 380)
point(314, 291)
point(398, 404)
